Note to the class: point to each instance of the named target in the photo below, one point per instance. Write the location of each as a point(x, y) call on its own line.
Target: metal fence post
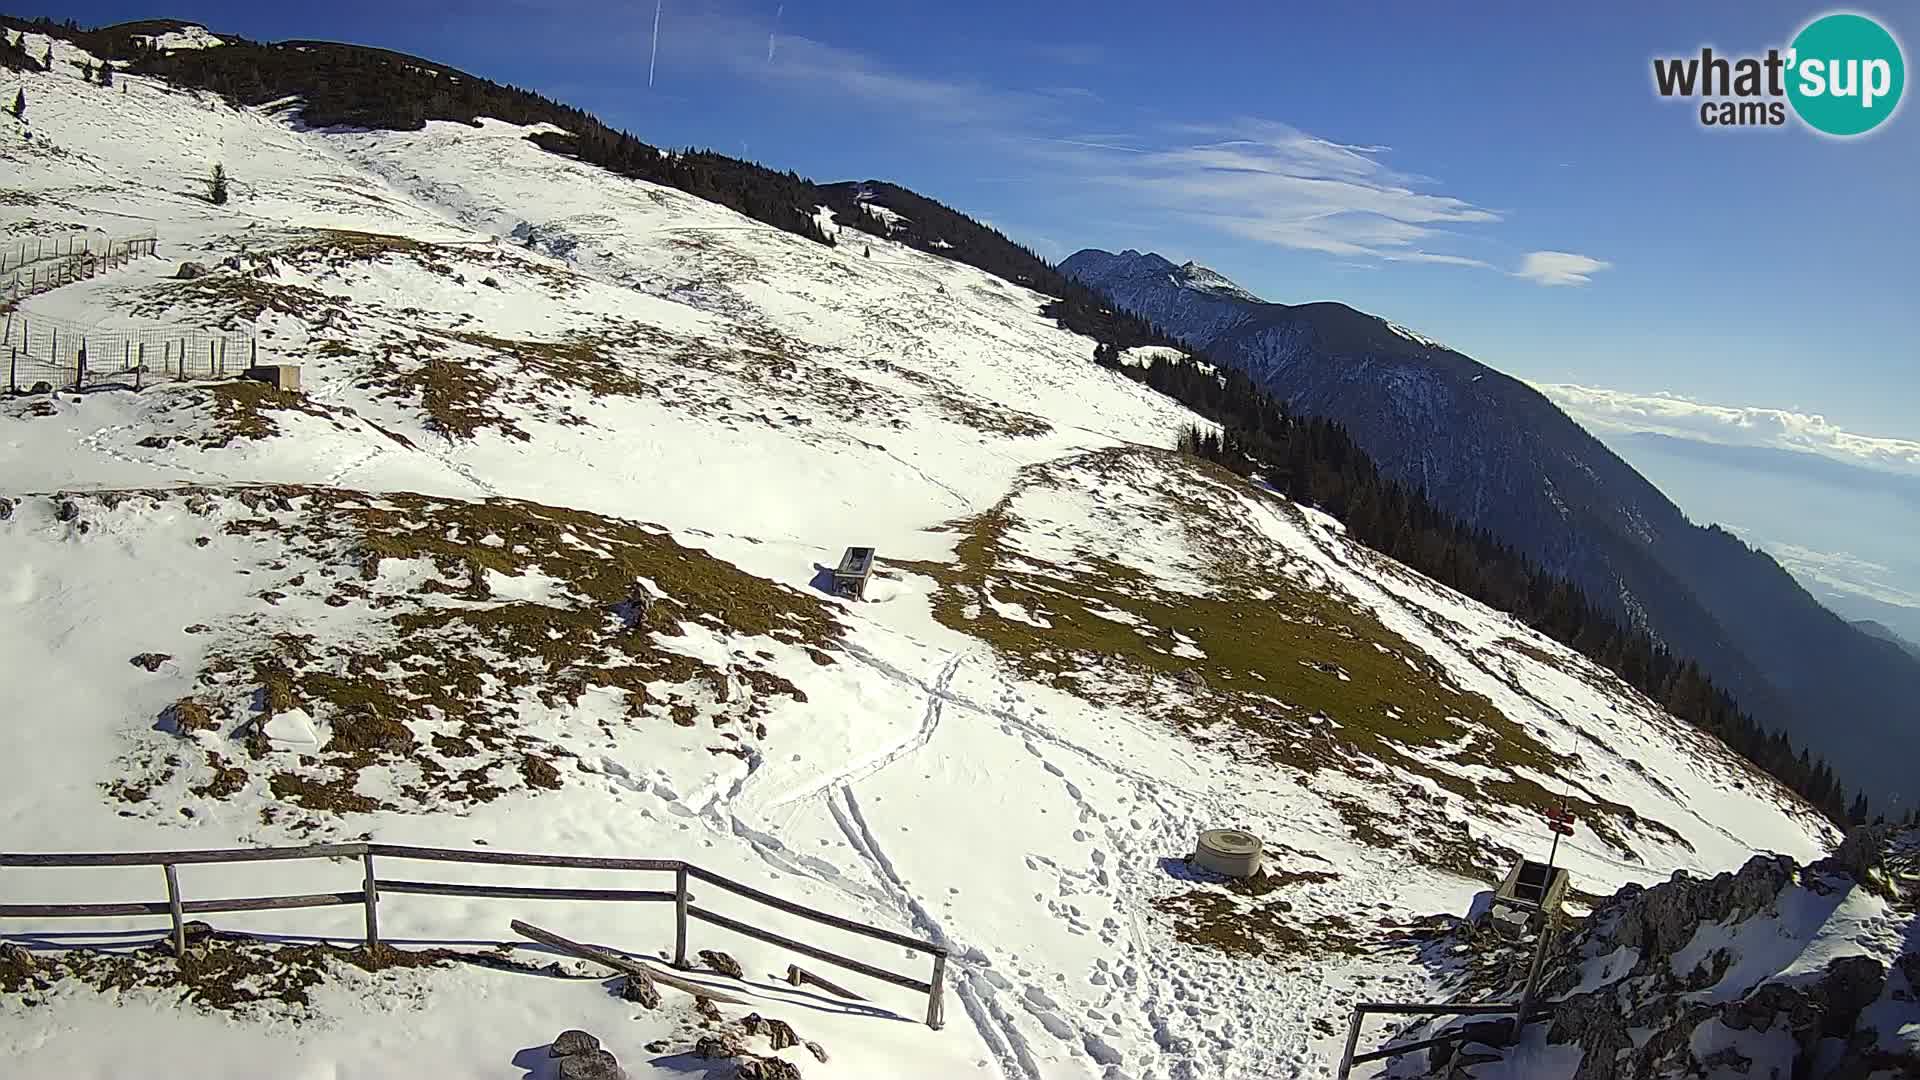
point(936, 1005)
point(373, 902)
point(173, 908)
point(680, 917)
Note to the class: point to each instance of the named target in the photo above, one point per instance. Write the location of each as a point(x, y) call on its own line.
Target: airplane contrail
point(655, 54)
point(775, 32)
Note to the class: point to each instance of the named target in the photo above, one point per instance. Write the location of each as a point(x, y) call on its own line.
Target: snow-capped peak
point(188, 36)
point(1202, 279)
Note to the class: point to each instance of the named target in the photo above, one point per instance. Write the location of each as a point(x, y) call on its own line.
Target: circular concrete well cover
point(1229, 851)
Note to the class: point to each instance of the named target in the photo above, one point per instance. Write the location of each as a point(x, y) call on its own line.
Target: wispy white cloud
point(1732, 425)
point(751, 45)
point(1276, 184)
point(1091, 142)
point(1844, 572)
point(1078, 93)
point(1070, 53)
point(1251, 178)
point(1559, 268)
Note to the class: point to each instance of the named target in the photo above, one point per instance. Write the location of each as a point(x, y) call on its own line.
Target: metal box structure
point(1533, 886)
point(850, 577)
point(284, 377)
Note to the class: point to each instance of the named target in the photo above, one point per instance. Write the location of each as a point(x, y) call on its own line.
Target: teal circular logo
point(1845, 74)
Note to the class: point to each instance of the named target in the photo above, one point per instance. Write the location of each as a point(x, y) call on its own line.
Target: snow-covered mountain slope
point(536, 560)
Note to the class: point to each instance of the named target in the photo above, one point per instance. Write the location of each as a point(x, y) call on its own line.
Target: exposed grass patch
point(235, 300)
point(1259, 657)
point(245, 408)
point(1211, 919)
point(432, 690)
point(229, 975)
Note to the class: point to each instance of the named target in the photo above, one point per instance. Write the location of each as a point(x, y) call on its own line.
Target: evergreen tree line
point(14, 55)
point(1313, 461)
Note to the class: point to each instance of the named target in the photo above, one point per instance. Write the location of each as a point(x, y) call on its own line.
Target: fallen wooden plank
point(800, 976)
point(626, 965)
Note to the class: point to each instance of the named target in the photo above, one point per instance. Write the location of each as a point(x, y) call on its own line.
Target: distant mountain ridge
point(1496, 452)
point(1886, 633)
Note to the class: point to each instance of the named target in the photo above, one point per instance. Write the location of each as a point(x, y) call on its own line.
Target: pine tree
point(20, 104)
point(46, 61)
point(217, 190)
point(1858, 814)
point(106, 74)
point(86, 71)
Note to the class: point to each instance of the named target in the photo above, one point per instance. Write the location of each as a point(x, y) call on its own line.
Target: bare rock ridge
point(1776, 969)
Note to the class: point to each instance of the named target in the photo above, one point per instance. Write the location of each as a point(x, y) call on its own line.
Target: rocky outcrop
point(582, 1058)
point(722, 963)
point(1659, 982)
point(1658, 922)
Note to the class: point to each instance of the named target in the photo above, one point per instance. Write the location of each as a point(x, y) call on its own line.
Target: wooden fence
point(1504, 1012)
point(367, 895)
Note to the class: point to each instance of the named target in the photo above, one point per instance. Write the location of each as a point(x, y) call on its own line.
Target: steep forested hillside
point(1494, 452)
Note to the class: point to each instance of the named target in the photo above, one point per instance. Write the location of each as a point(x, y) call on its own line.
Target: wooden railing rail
point(1348, 1058)
point(176, 907)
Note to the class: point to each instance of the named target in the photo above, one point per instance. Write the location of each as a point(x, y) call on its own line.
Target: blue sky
point(1407, 159)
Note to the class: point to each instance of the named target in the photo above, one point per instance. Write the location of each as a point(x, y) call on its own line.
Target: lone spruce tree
point(217, 190)
point(106, 74)
point(20, 104)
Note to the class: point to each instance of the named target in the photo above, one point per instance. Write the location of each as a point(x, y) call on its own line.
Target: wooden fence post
point(936, 1005)
point(373, 904)
point(173, 908)
point(140, 364)
point(1353, 1042)
point(680, 917)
